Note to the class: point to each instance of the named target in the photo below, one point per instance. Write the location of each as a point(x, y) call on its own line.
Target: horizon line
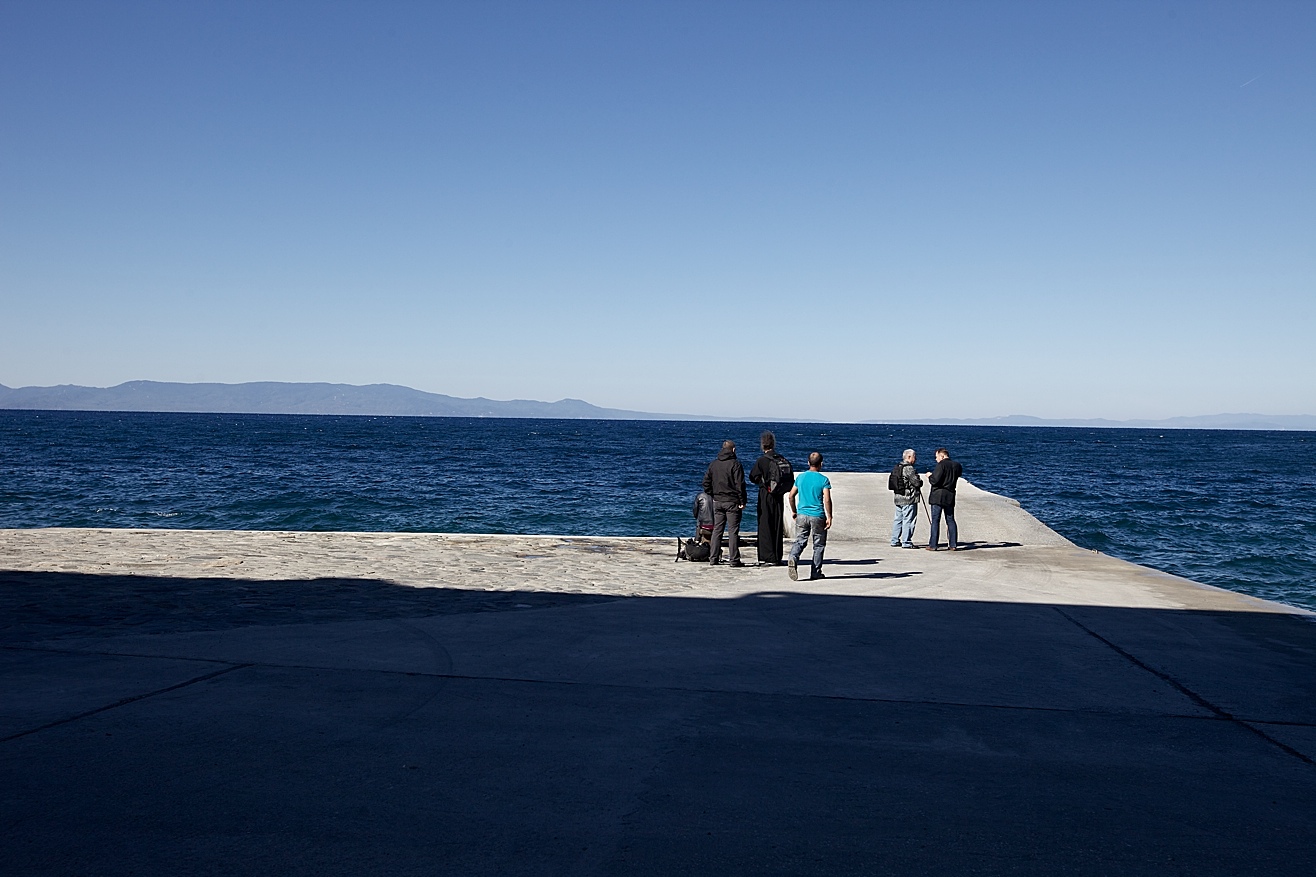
point(1253, 420)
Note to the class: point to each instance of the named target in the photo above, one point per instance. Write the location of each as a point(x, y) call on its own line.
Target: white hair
point(909, 452)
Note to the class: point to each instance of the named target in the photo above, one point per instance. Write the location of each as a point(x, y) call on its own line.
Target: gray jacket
point(913, 486)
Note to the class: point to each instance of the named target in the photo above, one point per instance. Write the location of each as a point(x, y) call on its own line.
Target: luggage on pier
point(693, 549)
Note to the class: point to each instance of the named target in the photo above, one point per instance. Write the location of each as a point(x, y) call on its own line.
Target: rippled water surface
point(1227, 508)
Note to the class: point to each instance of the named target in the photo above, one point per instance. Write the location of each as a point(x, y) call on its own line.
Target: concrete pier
point(177, 702)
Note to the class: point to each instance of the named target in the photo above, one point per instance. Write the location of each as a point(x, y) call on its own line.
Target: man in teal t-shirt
point(811, 506)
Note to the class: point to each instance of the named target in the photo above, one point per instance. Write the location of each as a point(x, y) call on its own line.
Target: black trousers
point(772, 529)
point(726, 516)
point(952, 532)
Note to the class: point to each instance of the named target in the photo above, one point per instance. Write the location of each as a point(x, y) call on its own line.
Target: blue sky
point(835, 211)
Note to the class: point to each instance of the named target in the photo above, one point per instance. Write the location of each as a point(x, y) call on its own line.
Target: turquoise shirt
point(811, 485)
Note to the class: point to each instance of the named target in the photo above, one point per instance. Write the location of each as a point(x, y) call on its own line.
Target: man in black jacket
point(725, 480)
point(941, 499)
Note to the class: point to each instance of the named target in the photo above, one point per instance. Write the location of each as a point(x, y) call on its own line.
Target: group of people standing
point(907, 486)
point(721, 505)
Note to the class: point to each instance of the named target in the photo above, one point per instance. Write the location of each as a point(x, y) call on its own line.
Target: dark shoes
point(737, 563)
point(792, 568)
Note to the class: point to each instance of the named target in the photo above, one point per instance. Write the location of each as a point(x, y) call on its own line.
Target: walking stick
point(927, 516)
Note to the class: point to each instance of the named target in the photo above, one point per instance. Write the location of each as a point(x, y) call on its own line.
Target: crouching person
point(699, 547)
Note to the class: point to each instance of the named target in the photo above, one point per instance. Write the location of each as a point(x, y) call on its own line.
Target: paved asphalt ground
point(1022, 707)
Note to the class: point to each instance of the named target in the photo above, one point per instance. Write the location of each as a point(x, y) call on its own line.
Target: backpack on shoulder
point(785, 476)
point(896, 483)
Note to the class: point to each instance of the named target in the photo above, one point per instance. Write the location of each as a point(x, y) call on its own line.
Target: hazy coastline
point(393, 400)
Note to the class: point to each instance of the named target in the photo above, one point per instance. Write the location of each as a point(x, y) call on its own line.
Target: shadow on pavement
point(972, 546)
point(50, 605)
point(776, 733)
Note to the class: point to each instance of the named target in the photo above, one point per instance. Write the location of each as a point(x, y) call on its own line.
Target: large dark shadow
point(778, 733)
point(53, 605)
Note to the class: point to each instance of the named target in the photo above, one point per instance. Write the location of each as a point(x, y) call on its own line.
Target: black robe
point(772, 505)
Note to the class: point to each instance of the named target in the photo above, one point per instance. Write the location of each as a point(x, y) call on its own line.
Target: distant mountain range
point(384, 400)
point(272, 397)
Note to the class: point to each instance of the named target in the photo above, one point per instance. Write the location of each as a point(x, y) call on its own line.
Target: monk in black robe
point(773, 474)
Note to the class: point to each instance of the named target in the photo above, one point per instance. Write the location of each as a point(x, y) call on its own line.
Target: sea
point(1228, 508)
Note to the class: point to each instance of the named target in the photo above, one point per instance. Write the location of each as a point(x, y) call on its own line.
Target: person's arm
point(827, 506)
point(708, 481)
point(740, 482)
point(795, 491)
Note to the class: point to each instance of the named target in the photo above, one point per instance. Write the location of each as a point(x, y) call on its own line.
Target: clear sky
point(835, 211)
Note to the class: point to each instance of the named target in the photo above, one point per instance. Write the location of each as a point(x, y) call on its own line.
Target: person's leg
point(733, 529)
point(897, 524)
point(765, 545)
point(907, 528)
point(780, 518)
point(797, 547)
point(771, 526)
point(819, 545)
point(719, 524)
point(952, 532)
point(936, 526)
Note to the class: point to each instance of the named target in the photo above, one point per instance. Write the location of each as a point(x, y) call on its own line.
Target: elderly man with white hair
point(908, 488)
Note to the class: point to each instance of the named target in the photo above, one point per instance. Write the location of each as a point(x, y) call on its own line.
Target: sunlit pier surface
point(229, 702)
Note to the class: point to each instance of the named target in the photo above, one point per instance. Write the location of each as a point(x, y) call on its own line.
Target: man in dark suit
point(941, 498)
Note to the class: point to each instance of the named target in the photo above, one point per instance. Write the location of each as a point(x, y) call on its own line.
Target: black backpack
point(896, 483)
point(785, 478)
point(696, 550)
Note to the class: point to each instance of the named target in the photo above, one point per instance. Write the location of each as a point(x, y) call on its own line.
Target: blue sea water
point(1228, 508)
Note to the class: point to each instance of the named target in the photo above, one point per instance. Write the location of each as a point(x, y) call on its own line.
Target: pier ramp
point(181, 702)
